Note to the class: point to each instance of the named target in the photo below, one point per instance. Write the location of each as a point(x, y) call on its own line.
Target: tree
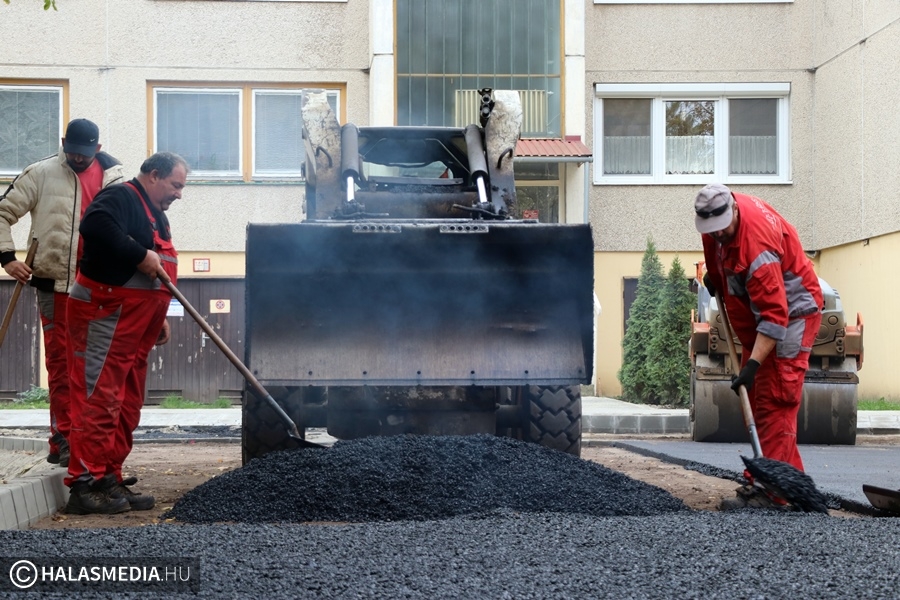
point(48, 4)
point(669, 364)
point(688, 118)
point(638, 330)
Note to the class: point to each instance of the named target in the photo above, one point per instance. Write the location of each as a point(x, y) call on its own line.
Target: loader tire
point(551, 417)
point(262, 430)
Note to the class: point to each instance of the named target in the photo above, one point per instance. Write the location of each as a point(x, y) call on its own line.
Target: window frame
point(472, 77)
point(659, 94)
point(693, 1)
point(49, 85)
point(247, 92)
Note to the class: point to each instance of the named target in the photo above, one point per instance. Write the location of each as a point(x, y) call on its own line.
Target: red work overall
point(769, 286)
point(113, 329)
point(52, 307)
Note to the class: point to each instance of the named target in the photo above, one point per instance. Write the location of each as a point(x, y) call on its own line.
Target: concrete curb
point(868, 423)
point(27, 499)
point(676, 423)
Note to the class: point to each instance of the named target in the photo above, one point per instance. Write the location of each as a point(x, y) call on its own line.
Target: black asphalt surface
point(506, 554)
point(478, 517)
point(837, 470)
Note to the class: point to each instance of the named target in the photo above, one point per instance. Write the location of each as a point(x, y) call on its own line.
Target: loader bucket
point(425, 302)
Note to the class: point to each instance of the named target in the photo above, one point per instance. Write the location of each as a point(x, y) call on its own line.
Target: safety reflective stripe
point(799, 299)
point(99, 339)
point(766, 257)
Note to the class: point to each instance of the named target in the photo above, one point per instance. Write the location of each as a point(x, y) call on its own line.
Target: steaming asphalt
point(480, 517)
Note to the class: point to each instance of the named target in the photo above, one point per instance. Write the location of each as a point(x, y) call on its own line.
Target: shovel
point(257, 387)
point(883, 498)
point(782, 479)
point(7, 318)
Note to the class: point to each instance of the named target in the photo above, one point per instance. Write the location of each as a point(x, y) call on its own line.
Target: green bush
point(35, 395)
point(669, 364)
point(634, 374)
point(656, 366)
point(179, 402)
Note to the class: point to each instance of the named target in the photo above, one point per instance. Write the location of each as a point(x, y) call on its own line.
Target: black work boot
point(61, 456)
point(64, 453)
point(94, 498)
point(136, 500)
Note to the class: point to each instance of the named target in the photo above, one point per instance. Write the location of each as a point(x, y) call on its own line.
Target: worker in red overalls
point(117, 313)
point(774, 302)
point(56, 191)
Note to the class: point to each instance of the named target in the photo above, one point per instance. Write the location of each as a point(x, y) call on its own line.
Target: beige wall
point(610, 268)
point(221, 264)
point(864, 274)
point(857, 121)
point(673, 43)
point(840, 59)
point(109, 49)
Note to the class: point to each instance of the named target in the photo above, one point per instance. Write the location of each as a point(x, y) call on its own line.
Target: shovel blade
point(882, 498)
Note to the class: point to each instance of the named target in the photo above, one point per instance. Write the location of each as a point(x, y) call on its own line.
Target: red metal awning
point(570, 149)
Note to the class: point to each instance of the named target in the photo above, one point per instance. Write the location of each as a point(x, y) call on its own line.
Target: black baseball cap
point(82, 137)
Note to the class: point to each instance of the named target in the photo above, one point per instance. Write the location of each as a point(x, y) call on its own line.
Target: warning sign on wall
point(220, 306)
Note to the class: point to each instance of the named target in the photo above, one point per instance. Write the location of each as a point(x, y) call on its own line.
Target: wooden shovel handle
point(7, 317)
point(742, 391)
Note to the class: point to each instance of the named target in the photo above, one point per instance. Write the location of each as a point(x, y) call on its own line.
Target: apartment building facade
point(795, 102)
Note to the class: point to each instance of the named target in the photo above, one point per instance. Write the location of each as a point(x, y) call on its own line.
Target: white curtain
point(626, 155)
point(686, 155)
point(690, 155)
point(753, 155)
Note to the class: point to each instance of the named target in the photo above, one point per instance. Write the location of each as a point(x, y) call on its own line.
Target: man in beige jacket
point(56, 191)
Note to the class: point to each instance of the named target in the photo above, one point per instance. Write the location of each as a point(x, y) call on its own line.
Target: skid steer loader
point(828, 406)
point(413, 299)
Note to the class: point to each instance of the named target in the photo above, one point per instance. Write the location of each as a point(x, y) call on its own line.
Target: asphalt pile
point(417, 478)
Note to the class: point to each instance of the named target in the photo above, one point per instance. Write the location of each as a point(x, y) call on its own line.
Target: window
point(691, 133)
point(537, 191)
point(447, 50)
point(30, 125)
point(208, 127)
point(690, 1)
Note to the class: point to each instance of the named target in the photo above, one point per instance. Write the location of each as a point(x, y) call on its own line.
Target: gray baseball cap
point(713, 206)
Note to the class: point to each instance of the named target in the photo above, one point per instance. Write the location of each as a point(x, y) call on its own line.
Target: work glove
point(746, 377)
point(707, 281)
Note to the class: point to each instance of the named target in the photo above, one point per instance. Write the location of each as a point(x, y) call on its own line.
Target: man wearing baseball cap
point(774, 303)
point(56, 191)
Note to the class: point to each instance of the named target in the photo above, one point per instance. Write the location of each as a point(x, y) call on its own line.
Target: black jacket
point(117, 234)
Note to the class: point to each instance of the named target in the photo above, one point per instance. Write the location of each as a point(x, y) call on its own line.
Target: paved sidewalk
point(599, 415)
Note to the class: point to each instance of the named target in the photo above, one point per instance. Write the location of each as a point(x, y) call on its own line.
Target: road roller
point(828, 407)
